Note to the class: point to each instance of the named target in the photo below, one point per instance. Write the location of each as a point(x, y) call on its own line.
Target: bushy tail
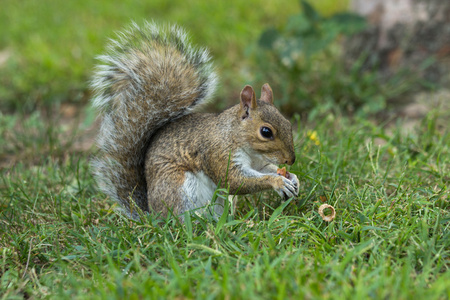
point(148, 77)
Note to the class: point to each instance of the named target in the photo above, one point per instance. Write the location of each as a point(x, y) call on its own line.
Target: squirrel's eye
point(266, 132)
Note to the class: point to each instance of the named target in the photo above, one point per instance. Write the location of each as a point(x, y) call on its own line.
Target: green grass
point(60, 238)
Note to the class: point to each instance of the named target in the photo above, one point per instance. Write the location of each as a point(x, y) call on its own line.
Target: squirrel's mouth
point(258, 161)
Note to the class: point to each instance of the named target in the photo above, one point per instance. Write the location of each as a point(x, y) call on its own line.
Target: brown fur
point(204, 142)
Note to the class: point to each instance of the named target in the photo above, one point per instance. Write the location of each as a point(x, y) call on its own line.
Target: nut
point(328, 218)
point(282, 172)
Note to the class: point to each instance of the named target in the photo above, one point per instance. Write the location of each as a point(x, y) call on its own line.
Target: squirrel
point(157, 152)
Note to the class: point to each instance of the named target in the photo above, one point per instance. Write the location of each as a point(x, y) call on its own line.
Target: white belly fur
point(198, 190)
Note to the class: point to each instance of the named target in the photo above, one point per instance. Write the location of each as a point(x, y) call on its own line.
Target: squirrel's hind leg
point(163, 193)
point(182, 191)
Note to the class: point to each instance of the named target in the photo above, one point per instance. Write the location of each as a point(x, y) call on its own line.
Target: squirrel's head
point(267, 132)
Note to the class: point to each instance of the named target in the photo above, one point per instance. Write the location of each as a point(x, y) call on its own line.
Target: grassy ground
point(60, 238)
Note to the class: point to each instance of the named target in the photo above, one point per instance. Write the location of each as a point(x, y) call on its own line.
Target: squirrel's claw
point(288, 189)
point(293, 178)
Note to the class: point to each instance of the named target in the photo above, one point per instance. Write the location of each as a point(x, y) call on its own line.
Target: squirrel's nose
point(290, 161)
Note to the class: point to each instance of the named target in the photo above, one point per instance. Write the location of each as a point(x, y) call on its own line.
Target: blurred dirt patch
point(62, 133)
point(4, 56)
point(410, 114)
point(73, 117)
point(422, 103)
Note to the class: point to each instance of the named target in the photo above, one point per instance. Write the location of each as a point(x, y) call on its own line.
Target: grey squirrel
point(157, 152)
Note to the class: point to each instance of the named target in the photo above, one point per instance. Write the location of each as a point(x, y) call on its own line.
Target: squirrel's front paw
point(286, 188)
point(293, 178)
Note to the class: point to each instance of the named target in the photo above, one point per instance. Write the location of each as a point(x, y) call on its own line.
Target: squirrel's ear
point(266, 94)
point(248, 98)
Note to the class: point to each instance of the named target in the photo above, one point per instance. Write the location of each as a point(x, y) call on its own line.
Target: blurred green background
point(48, 47)
point(60, 236)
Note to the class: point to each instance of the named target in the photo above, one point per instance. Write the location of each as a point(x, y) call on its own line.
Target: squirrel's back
point(149, 76)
